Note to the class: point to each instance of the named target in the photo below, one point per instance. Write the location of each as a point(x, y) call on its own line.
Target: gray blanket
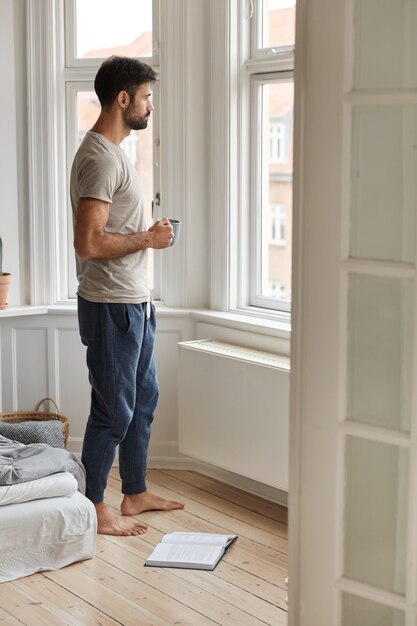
point(21, 464)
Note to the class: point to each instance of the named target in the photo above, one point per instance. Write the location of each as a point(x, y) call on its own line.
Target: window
point(276, 24)
point(85, 49)
point(266, 107)
point(125, 26)
point(66, 48)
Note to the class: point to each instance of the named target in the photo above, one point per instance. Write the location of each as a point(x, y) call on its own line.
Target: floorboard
point(246, 588)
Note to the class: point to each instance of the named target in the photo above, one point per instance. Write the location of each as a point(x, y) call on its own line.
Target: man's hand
point(162, 233)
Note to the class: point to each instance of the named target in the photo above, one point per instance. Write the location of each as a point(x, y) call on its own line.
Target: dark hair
point(117, 74)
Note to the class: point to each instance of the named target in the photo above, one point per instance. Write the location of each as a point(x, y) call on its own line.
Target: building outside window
point(277, 289)
point(277, 224)
point(276, 142)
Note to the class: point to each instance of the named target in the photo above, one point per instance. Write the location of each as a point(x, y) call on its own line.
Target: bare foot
point(111, 523)
point(140, 502)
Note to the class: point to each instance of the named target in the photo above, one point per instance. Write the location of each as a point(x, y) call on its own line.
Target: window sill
point(22, 310)
point(280, 328)
point(250, 322)
point(42, 309)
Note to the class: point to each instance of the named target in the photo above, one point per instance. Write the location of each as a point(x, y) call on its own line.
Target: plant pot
point(4, 289)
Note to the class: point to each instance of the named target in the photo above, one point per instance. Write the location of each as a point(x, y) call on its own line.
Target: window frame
point(259, 241)
point(81, 71)
point(257, 49)
point(252, 65)
point(54, 79)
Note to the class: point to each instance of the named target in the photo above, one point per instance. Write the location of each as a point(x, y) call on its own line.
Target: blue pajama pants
point(121, 364)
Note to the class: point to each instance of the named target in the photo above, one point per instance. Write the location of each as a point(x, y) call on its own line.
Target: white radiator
point(234, 409)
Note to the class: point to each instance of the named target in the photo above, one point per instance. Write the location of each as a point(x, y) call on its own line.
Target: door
point(353, 479)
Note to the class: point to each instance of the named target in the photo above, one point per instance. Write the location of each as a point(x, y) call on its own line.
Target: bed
point(47, 522)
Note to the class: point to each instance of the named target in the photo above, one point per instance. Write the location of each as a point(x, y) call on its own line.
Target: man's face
point(137, 113)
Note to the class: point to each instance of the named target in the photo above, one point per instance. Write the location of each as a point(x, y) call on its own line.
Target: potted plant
point(4, 281)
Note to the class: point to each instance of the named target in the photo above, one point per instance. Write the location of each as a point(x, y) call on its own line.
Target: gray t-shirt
point(102, 170)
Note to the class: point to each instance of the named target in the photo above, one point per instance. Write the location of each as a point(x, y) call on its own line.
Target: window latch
point(156, 202)
point(277, 52)
point(250, 11)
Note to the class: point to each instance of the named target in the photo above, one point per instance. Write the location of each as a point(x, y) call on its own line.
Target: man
point(115, 313)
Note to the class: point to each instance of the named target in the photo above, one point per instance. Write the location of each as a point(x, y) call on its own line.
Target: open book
point(190, 550)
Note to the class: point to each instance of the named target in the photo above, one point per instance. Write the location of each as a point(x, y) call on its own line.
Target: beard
point(133, 122)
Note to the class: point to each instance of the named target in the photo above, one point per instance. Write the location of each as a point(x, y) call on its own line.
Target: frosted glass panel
point(380, 335)
point(385, 44)
point(383, 182)
point(376, 503)
point(360, 612)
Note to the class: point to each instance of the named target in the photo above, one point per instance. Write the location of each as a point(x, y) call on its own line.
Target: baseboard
point(162, 454)
point(241, 482)
point(161, 462)
point(75, 445)
point(165, 455)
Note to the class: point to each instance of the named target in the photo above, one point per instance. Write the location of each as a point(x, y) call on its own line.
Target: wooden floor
point(246, 589)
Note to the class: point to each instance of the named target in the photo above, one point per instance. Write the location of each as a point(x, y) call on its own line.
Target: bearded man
point(115, 312)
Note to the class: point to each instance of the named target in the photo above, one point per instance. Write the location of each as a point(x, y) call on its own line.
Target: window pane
point(277, 163)
point(278, 23)
point(375, 516)
point(138, 146)
point(358, 611)
point(88, 110)
point(384, 42)
point(106, 27)
point(384, 185)
point(380, 339)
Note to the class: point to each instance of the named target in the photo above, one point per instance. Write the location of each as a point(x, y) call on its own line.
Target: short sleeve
point(99, 177)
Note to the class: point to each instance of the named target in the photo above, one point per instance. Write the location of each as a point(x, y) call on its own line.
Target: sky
point(110, 23)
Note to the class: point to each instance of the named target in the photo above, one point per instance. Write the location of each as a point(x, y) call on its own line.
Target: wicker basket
point(24, 416)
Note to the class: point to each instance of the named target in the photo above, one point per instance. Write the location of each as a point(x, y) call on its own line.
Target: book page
point(189, 553)
point(198, 538)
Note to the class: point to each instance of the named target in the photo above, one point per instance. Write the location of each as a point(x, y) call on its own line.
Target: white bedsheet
point(45, 535)
point(60, 484)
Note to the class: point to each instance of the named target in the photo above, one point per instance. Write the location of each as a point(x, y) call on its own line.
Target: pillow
point(35, 431)
point(53, 486)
